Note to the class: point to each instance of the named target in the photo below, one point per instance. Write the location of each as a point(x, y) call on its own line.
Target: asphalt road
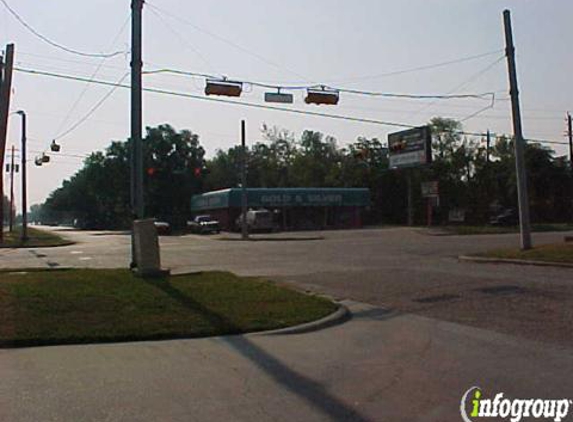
point(428, 334)
point(397, 268)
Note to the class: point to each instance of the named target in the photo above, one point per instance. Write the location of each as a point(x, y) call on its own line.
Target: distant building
point(293, 208)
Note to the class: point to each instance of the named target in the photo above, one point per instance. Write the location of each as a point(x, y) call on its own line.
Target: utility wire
point(95, 107)
point(482, 96)
point(417, 69)
point(71, 61)
point(226, 41)
point(119, 84)
point(465, 83)
point(182, 39)
point(53, 43)
point(87, 85)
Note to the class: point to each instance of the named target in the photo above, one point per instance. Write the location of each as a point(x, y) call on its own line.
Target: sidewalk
point(379, 366)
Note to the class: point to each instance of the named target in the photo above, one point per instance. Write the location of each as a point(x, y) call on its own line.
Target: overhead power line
point(116, 85)
point(227, 41)
point(53, 43)
point(465, 83)
point(182, 39)
point(87, 85)
point(95, 107)
point(418, 68)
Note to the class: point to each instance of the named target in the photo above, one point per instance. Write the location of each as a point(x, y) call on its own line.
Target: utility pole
point(11, 211)
point(570, 134)
point(488, 144)
point(523, 199)
point(24, 235)
point(244, 229)
point(5, 91)
point(136, 147)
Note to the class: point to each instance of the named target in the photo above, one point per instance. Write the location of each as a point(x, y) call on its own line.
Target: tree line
point(470, 178)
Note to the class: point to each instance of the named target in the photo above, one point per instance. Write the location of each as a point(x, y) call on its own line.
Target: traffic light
point(223, 87)
point(322, 96)
point(54, 146)
point(197, 171)
point(151, 171)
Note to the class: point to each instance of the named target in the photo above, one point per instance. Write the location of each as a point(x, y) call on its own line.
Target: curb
point(340, 316)
point(484, 260)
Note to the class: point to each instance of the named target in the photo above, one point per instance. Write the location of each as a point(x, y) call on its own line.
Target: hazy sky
point(345, 43)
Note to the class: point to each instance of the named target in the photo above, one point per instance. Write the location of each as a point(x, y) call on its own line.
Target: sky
point(363, 45)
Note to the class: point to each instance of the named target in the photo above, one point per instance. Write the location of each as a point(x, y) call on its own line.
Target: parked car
point(203, 224)
point(508, 217)
point(163, 227)
point(257, 220)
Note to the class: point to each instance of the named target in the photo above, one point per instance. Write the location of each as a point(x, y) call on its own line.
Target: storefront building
point(292, 208)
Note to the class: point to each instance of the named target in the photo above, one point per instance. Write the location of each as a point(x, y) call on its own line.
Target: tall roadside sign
point(409, 149)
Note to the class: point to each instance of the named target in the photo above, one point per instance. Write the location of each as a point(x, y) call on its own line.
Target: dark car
point(508, 217)
point(203, 224)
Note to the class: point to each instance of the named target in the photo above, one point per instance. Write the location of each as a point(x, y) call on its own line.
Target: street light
point(24, 236)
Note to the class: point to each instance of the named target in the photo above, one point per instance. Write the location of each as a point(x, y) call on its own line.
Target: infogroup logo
point(512, 409)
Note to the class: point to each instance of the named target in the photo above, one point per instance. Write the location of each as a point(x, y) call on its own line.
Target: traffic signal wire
point(480, 96)
point(120, 84)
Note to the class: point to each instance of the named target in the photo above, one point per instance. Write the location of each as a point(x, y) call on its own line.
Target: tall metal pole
point(24, 236)
point(570, 134)
point(523, 200)
point(11, 210)
point(244, 229)
point(488, 145)
point(136, 107)
point(5, 92)
point(135, 150)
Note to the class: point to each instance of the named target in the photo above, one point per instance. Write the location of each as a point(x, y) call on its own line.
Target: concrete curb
point(484, 260)
point(340, 316)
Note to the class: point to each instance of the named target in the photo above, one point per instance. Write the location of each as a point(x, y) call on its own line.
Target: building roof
point(282, 197)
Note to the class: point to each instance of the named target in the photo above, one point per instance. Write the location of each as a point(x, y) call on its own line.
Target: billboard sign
point(410, 148)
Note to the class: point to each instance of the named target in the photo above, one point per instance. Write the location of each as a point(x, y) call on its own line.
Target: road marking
point(76, 252)
point(85, 258)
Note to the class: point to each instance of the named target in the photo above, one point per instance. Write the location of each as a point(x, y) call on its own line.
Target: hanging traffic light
point(54, 146)
point(38, 161)
point(223, 87)
point(45, 158)
point(322, 96)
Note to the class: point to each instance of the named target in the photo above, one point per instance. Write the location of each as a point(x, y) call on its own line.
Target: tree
point(98, 195)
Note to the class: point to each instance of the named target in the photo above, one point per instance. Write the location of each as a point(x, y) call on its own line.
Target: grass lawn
point(87, 306)
point(36, 239)
point(560, 252)
point(471, 230)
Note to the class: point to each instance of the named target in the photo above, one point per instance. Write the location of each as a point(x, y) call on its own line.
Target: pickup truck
point(203, 224)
